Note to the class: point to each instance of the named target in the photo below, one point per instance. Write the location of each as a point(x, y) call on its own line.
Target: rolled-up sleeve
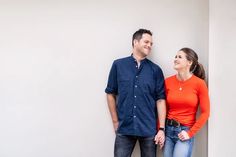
point(112, 85)
point(160, 85)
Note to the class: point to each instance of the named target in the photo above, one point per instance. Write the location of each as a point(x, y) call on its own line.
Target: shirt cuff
point(110, 91)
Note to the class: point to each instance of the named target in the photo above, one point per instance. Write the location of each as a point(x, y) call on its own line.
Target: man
point(135, 94)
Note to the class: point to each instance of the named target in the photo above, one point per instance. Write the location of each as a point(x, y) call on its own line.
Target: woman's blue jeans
point(174, 147)
point(124, 145)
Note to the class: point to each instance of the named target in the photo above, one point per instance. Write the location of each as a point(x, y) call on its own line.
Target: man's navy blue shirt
point(137, 90)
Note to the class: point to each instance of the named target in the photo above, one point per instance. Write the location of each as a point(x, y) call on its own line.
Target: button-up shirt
point(137, 89)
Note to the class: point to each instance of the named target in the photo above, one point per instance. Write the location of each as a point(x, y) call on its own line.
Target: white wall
point(222, 77)
point(54, 61)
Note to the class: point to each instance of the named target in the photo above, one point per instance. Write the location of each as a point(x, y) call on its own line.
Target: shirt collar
point(133, 59)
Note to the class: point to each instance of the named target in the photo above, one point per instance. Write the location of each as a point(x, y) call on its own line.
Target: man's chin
point(146, 53)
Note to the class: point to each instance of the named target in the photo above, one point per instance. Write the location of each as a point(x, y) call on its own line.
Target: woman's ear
point(190, 63)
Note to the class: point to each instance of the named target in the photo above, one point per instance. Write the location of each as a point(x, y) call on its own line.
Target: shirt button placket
point(135, 92)
point(135, 95)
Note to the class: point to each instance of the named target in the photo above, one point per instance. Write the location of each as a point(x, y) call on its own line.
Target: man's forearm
point(111, 101)
point(161, 109)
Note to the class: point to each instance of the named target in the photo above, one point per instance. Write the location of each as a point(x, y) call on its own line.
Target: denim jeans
point(124, 145)
point(174, 147)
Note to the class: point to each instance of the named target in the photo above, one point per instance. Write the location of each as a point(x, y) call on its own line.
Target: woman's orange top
point(183, 99)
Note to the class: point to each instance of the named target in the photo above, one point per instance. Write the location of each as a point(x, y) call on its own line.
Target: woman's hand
point(183, 135)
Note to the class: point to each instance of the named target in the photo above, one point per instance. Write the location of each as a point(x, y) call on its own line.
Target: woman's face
point(181, 62)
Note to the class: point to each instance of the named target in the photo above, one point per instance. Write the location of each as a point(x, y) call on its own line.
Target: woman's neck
point(183, 76)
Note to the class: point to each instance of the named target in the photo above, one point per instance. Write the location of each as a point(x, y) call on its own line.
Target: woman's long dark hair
point(196, 68)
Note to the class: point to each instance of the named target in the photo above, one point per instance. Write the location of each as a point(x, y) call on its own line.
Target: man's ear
point(135, 41)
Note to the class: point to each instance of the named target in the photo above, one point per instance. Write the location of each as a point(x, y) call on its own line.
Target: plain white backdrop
point(54, 62)
point(222, 76)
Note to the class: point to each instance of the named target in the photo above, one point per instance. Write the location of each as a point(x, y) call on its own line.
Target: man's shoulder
point(122, 60)
point(154, 65)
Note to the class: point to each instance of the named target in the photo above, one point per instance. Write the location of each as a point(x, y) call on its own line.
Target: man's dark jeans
point(124, 145)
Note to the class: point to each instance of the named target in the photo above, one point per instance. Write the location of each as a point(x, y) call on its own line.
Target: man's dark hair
point(139, 33)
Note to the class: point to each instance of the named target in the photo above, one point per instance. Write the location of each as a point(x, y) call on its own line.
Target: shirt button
point(134, 106)
point(135, 96)
point(136, 76)
point(136, 86)
point(136, 66)
point(134, 116)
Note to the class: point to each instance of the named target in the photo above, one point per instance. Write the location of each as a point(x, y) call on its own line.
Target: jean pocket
point(185, 128)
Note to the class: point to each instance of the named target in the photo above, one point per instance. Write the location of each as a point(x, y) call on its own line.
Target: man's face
point(144, 45)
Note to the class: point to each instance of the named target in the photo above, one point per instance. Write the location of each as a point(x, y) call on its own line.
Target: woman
point(185, 92)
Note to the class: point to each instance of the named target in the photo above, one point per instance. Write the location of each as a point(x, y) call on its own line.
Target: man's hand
point(115, 125)
point(160, 138)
